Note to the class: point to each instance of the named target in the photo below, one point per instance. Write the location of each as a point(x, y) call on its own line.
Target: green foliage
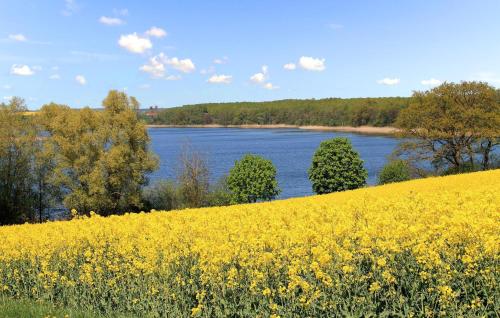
point(336, 167)
point(325, 112)
point(251, 179)
point(101, 158)
point(166, 195)
point(453, 126)
point(163, 195)
point(394, 171)
point(27, 308)
point(17, 144)
point(219, 194)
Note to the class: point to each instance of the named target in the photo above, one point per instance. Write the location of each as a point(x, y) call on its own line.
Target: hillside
point(306, 112)
point(429, 245)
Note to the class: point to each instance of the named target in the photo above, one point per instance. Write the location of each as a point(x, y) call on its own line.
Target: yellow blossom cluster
point(426, 247)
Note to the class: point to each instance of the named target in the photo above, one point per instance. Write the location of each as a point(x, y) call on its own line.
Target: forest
point(381, 111)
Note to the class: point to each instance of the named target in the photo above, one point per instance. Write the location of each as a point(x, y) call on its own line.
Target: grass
point(26, 308)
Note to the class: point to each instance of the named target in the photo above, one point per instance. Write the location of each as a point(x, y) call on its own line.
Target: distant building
point(152, 111)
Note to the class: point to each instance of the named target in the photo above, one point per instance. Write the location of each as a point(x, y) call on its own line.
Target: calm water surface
point(290, 150)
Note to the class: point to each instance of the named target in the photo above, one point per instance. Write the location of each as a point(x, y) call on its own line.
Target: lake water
point(290, 150)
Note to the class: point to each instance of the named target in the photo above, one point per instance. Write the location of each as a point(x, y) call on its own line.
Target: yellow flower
point(306, 252)
point(266, 292)
point(381, 262)
point(374, 287)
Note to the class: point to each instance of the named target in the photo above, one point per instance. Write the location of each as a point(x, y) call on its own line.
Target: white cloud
point(156, 32)
point(261, 77)
point(18, 37)
point(184, 65)
point(70, 7)
point(220, 79)
point(134, 43)
point(270, 86)
point(389, 81)
point(145, 86)
point(55, 77)
point(55, 68)
point(173, 77)
point(290, 66)
point(6, 87)
point(37, 68)
point(156, 66)
point(312, 64)
point(80, 79)
point(111, 21)
point(431, 82)
point(258, 78)
point(21, 70)
point(8, 97)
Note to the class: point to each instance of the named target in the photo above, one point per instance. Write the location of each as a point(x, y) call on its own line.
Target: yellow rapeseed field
point(425, 248)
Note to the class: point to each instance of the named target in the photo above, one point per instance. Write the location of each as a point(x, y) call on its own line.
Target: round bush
point(251, 179)
point(336, 166)
point(394, 171)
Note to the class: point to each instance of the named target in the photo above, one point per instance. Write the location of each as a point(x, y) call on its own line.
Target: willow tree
point(102, 157)
point(454, 126)
point(124, 164)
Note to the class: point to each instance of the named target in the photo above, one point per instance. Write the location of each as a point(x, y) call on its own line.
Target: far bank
point(371, 130)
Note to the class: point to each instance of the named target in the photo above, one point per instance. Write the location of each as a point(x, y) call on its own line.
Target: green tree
point(336, 167)
point(46, 193)
point(17, 139)
point(126, 160)
point(76, 143)
point(251, 179)
point(102, 158)
point(453, 126)
point(394, 171)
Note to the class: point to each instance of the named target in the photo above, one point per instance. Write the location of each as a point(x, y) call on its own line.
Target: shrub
point(336, 167)
point(394, 171)
point(253, 178)
point(163, 195)
point(193, 177)
point(219, 194)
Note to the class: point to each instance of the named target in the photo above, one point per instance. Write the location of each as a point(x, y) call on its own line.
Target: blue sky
point(170, 53)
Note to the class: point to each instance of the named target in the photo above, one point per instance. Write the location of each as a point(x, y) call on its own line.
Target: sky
point(171, 53)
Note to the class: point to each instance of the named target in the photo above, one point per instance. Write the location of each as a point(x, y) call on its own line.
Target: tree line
point(381, 111)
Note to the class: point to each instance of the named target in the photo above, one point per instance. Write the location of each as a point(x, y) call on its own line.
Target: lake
point(290, 150)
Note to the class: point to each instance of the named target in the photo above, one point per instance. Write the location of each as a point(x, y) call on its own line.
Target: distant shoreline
point(371, 130)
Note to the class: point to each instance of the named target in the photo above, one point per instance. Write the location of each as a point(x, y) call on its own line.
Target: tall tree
point(193, 177)
point(452, 125)
point(17, 136)
point(76, 143)
point(102, 157)
point(123, 167)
